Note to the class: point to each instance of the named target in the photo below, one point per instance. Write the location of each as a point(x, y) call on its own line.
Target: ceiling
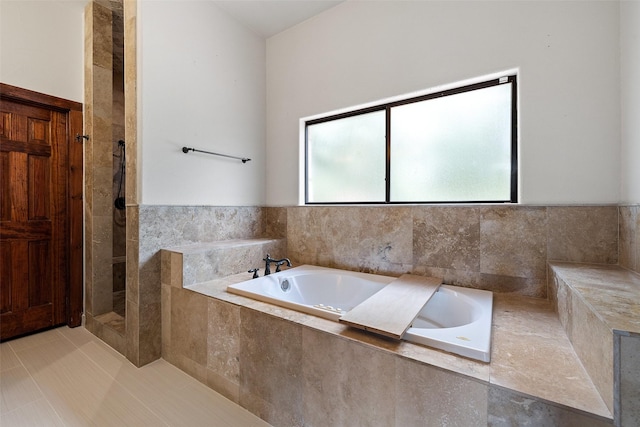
point(269, 17)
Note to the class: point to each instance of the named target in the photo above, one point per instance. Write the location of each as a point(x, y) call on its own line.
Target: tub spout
point(267, 264)
point(282, 261)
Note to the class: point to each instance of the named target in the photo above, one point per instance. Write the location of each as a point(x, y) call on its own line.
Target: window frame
point(387, 106)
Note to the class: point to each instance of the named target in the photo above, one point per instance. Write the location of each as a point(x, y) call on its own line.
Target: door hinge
point(79, 137)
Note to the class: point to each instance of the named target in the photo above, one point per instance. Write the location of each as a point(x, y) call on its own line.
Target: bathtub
point(323, 292)
point(455, 319)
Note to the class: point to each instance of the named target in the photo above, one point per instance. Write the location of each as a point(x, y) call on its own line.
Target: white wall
point(201, 79)
point(358, 52)
point(630, 90)
point(42, 48)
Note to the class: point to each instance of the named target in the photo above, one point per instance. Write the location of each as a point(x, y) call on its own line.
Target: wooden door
point(38, 265)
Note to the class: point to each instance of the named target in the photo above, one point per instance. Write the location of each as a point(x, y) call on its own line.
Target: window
point(454, 146)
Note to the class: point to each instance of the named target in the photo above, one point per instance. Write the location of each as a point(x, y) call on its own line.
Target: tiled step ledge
point(202, 262)
point(599, 308)
point(529, 347)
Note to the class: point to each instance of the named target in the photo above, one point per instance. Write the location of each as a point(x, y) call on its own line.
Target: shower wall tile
point(102, 40)
point(583, 234)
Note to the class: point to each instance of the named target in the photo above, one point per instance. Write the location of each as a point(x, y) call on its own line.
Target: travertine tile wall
point(165, 227)
point(285, 368)
point(98, 167)
point(630, 237)
point(500, 248)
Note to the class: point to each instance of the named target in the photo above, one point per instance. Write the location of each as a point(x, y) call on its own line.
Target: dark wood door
point(35, 211)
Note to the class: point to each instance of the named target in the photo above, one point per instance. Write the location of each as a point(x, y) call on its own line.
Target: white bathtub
point(324, 292)
point(455, 319)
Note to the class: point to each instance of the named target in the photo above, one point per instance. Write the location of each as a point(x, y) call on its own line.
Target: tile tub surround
point(467, 245)
point(596, 304)
point(495, 247)
point(291, 368)
point(150, 228)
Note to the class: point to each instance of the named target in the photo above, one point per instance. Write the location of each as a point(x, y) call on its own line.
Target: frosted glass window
point(453, 146)
point(453, 149)
point(346, 160)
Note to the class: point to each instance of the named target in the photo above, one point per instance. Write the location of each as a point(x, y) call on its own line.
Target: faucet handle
point(255, 272)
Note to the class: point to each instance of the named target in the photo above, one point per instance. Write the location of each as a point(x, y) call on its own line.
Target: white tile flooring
point(67, 377)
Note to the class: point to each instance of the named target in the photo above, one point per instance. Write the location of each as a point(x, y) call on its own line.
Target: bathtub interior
point(320, 291)
point(457, 320)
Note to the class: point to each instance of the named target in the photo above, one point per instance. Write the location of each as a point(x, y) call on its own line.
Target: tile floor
point(67, 377)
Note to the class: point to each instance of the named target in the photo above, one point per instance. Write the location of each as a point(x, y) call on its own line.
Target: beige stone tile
point(526, 286)
point(102, 40)
point(513, 242)
point(629, 234)
point(176, 269)
point(8, 358)
point(222, 385)
point(507, 408)
point(349, 392)
point(189, 319)
point(276, 221)
point(150, 345)
point(593, 342)
point(17, 389)
point(526, 337)
point(271, 368)
point(133, 326)
point(440, 359)
point(38, 413)
point(223, 340)
point(342, 236)
point(583, 233)
point(439, 396)
point(447, 237)
point(166, 320)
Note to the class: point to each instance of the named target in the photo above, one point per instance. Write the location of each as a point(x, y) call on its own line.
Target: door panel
point(33, 229)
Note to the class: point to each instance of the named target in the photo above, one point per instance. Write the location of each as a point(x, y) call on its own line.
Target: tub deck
point(531, 354)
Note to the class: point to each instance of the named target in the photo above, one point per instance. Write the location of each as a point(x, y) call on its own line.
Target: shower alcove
point(105, 185)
